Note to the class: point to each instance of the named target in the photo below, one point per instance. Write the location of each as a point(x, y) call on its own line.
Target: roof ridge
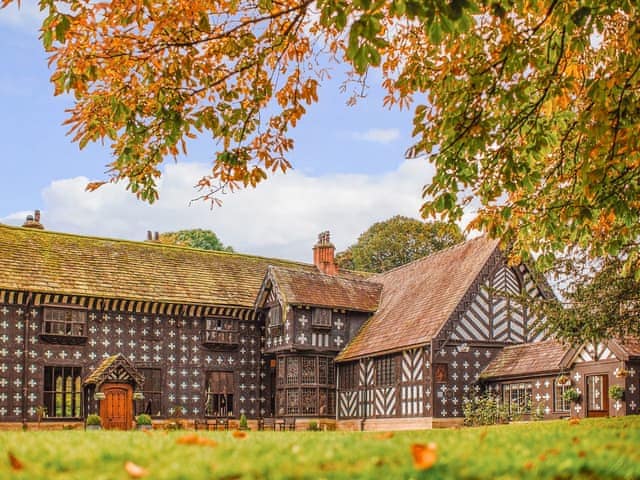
point(150, 244)
point(432, 255)
point(319, 273)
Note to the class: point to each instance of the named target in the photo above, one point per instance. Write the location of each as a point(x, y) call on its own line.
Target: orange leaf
point(384, 435)
point(239, 434)
point(424, 456)
point(528, 465)
point(135, 471)
point(574, 421)
point(193, 439)
point(15, 463)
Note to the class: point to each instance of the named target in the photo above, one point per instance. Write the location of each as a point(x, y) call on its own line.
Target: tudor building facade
point(89, 323)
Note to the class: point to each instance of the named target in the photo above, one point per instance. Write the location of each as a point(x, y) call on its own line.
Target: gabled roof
point(49, 262)
point(418, 299)
point(114, 365)
point(630, 346)
point(527, 359)
point(298, 287)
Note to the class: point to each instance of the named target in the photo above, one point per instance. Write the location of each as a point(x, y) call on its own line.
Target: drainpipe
point(337, 406)
point(25, 348)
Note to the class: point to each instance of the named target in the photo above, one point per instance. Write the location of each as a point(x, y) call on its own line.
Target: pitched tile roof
point(101, 373)
point(49, 262)
point(418, 298)
point(317, 289)
point(631, 346)
point(527, 359)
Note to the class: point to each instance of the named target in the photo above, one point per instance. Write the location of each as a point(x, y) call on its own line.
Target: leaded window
point(293, 402)
point(308, 370)
point(151, 404)
point(560, 404)
point(219, 394)
point(385, 371)
point(322, 371)
point(221, 331)
point(349, 376)
point(63, 392)
point(71, 322)
point(309, 401)
point(321, 317)
point(293, 371)
point(274, 316)
point(517, 397)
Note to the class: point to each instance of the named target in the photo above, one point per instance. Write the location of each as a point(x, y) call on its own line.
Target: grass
point(593, 449)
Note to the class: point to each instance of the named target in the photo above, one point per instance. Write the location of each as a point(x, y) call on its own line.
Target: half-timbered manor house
point(94, 325)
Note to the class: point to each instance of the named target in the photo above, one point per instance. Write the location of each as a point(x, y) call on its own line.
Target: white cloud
point(280, 218)
point(377, 135)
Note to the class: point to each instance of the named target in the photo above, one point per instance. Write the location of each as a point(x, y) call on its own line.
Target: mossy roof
point(320, 290)
point(50, 262)
point(527, 359)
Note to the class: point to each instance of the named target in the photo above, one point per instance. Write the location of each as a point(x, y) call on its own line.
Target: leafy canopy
point(397, 241)
point(196, 238)
point(528, 109)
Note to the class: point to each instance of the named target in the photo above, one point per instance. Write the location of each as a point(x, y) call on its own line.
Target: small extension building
point(114, 327)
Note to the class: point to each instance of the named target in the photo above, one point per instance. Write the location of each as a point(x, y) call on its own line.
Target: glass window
point(517, 397)
point(221, 331)
point(63, 391)
point(219, 394)
point(559, 403)
point(151, 404)
point(65, 321)
point(385, 371)
point(321, 317)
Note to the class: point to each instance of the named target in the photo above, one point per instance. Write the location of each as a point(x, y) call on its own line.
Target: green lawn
point(593, 449)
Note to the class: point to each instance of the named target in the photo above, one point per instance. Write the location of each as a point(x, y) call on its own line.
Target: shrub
point(616, 392)
point(94, 419)
point(313, 426)
point(143, 419)
point(484, 410)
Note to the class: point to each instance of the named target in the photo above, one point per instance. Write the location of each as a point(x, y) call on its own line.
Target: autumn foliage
point(528, 109)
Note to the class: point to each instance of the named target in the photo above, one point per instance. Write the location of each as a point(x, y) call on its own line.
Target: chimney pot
point(149, 237)
point(324, 254)
point(156, 236)
point(33, 221)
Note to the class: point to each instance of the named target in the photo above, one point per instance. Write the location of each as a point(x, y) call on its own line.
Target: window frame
point(385, 371)
point(526, 388)
point(149, 395)
point(220, 330)
point(558, 395)
point(50, 396)
point(66, 323)
point(321, 317)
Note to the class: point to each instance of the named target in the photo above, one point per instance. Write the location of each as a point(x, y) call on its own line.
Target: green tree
point(195, 238)
point(600, 298)
point(397, 241)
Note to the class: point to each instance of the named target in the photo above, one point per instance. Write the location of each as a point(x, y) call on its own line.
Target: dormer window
point(64, 325)
point(321, 318)
point(274, 316)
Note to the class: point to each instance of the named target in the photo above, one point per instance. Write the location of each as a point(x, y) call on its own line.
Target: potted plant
point(563, 380)
point(143, 422)
point(94, 422)
point(571, 395)
point(616, 392)
point(243, 422)
point(620, 372)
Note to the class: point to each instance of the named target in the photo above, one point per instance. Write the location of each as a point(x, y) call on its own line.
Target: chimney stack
point(153, 236)
point(324, 254)
point(33, 221)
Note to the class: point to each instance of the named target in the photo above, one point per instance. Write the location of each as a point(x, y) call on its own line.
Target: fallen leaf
point(575, 440)
point(424, 456)
point(483, 434)
point(528, 465)
point(574, 421)
point(582, 454)
point(135, 471)
point(384, 435)
point(239, 434)
point(194, 439)
point(15, 463)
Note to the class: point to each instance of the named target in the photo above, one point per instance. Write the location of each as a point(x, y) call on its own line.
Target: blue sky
point(356, 149)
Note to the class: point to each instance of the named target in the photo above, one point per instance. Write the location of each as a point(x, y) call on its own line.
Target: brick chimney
point(324, 254)
point(33, 221)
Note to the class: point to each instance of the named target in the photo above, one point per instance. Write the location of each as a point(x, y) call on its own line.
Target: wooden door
point(597, 396)
point(116, 409)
